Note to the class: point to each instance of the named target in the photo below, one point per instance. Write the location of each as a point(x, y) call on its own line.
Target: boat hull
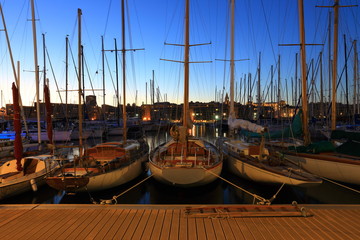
point(332, 168)
point(185, 177)
point(266, 176)
point(58, 136)
point(20, 183)
point(98, 182)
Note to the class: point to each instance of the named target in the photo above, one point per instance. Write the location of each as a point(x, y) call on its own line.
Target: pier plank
point(165, 233)
point(70, 224)
point(200, 228)
point(92, 224)
point(19, 223)
point(175, 225)
point(142, 224)
point(219, 233)
point(108, 223)
point(209, 228)
point(48, 217)
point(169, 222)
point(158, 224)
point(117, 224)
point(131, 227)
point(183, 227)
point(150, 224)
point(55, 225)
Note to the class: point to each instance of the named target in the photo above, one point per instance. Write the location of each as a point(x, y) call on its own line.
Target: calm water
point(218, 192)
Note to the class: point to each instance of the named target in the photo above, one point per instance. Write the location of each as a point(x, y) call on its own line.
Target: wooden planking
point(169, 222)
point(165, 233)
point(227, 228)
point(56, 223)
point(142, 224)
point(70, 224)
point(128, 232)
point(19, 224)
point(338, 227)
point(107, 224)
point(47, 217)
point(91, 224)
point(175, 225)
point(150, 225)
point(117, 224)
point(158, 224)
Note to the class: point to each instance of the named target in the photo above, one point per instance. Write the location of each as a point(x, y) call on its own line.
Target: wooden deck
point(178, 222)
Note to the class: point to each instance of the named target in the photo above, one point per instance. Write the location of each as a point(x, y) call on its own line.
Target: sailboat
point(105, 165)
point(23, 174)
point(330, 164)
point(253, 161)
point(185, 161)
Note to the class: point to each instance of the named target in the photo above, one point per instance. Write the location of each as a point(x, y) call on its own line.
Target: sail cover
point(18, 148)
point(234, 123)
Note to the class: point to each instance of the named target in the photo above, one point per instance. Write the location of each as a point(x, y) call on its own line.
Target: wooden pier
point(45, 221)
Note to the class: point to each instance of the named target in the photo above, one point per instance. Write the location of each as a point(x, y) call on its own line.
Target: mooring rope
point(114, 199)
point(262, 200)
point(339, 184)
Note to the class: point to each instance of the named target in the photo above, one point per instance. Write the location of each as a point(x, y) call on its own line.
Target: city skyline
point(260, 27)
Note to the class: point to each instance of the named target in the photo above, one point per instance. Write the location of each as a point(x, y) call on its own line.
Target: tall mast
point(321, 89)
point(16, 76)
point(123, 63)
point(36, 71)
point(259, 91)
point(103, 67)
point(335, 60)
point(232, 67)
point(66, 80)
point(117, 83)
point(186, 65)
point(355, 102)
point(303, 73)
point(79, 81)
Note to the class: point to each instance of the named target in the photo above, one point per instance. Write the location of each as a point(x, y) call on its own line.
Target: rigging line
point(131, 46)
point(53, 73)
point(268, 31)
point(261, 199)
point(88, 73)
point(73, 60)
point(107, 18)
point(339, 184)
point(111, 77)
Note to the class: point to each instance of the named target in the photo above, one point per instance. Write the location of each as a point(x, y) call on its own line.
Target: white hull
point(58, 136)
point(343, 171)
point(185, 177)
point(115, 178)
point(201, 165)
point(19, 182)
point(263, 175)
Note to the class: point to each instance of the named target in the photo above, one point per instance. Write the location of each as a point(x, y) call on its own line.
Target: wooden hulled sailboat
point(253, 161)
point(185, 161)
point(329, 164)
point(23, 174)
point(105, 165)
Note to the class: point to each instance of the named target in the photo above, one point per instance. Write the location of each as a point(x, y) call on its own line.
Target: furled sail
point(234, 123)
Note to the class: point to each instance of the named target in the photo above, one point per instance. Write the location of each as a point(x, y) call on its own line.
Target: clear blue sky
point(260, 26)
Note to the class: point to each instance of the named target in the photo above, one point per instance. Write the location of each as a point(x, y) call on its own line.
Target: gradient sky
point(261, 25)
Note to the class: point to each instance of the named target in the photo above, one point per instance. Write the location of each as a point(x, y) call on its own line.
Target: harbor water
point(228, 190)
